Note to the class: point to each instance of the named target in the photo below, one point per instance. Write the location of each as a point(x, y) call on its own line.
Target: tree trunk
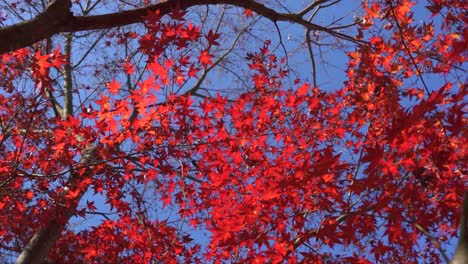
point(36, 251)
point(38, 247)
point(461, 254)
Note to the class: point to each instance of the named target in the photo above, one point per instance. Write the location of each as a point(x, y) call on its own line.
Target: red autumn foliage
point(281, 173)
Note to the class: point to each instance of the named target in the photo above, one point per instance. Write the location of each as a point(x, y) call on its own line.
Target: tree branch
point(41, 27)
point(57, 19)
point(67, 79)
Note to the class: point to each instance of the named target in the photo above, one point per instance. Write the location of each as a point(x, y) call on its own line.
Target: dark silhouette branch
point(57, 18)
point(43, 26)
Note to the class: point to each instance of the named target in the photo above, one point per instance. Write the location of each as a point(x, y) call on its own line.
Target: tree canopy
point(232, 131)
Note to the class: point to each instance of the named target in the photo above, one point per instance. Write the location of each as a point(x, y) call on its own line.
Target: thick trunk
point(461, 254)
point(39, 246)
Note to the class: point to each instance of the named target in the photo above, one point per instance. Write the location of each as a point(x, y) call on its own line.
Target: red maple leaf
point(113, 86)
point(205, 58)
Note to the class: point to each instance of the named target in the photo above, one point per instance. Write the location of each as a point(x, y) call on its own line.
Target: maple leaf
point(205, 58)
point(212, 37)
point(128, 67)
point(192, 71)
point(42, 63)
point(303, 89)
point(113, 86)
point(58, 59)
point(402, 9)
point(91, 206)
point(191, 33)
point(21, 206)
point(248, 13)
point(158, 70)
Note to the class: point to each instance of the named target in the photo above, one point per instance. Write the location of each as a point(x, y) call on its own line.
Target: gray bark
point(38, 247)
point(461, 254)
point(40, 244)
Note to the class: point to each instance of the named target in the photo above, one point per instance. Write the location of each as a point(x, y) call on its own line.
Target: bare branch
point(67, 79)
point(316, 3)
